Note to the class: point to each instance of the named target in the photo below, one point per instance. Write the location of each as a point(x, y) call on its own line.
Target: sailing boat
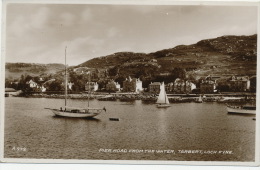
point(162, 101)
point(199, 100)
point(87, 112)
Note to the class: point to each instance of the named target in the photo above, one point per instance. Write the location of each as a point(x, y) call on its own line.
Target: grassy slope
point(224, 55)
point(15, 70)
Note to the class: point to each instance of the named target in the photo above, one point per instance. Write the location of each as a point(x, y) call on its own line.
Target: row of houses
point(129, 85)
point(34, 85)
point(178, 86)
point(234, 84)
point(207, 85)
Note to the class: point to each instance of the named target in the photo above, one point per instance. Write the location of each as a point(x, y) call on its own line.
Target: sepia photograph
point(136, 83)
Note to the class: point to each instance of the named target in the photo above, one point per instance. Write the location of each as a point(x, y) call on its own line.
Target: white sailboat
point(199, 100)
point(87, 112)
point(162, 101)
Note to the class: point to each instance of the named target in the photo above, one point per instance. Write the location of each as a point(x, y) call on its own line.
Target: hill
point(15, 70)
point(224, 55)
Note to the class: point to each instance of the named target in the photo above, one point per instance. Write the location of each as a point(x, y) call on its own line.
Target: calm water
point(33, 132)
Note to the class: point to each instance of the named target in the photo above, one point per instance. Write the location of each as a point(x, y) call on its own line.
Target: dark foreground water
point(183, 132)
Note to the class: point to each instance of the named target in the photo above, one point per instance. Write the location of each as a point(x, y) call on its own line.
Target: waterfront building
point(182, 86)
point(154, 87)
point(213, 78)
point(70, 85)
point(207, 86)
point(37, 87)
point(32, 84)
point(169, 87)
point(118, 86)
point(11, 92)
point(113, 86)
point(43, 89)
point(189, 86)
point(41, 79)
point(93, 86)
point(239, 84)
point(132, 85)
point(179, 86)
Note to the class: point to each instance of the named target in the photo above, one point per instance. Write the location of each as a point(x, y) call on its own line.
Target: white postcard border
point(126, 2)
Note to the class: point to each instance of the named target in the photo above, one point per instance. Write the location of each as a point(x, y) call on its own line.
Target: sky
point(39, 33)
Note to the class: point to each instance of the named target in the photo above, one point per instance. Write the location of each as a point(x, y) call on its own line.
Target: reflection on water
point(142, 126)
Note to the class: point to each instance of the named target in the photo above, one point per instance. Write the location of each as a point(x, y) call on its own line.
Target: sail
point(200, 99)
point(162, 98)
point(166, 99)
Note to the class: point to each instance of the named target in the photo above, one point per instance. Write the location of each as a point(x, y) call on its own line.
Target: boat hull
point(57, 112)
point(240, 111)
point(163, 105)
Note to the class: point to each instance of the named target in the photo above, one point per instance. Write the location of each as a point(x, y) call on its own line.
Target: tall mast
point(88, 86)
point(165, 97)
point(65, 78)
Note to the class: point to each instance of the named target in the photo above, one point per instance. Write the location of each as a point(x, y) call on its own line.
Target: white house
point(92, 85)
point(32, 84)
point(70, 85)
point(43, 89)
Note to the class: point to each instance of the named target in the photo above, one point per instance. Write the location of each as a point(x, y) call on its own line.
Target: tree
point(113, 71)
point(120, 80)
point(9, 83)
point(146, 82)
point(178, 73)
point(55, 86)
point(200, 80)
point(79, 81)
point(22, 85)
point(191, 77)
point(139, 73)
point(161, 79)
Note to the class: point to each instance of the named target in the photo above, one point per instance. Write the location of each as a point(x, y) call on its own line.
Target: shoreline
point(147, 97)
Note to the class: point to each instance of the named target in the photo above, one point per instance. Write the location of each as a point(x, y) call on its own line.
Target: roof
point(208, 82)
point(155, 83)
point(240, 78)
point(212, 77)
point(178, 80)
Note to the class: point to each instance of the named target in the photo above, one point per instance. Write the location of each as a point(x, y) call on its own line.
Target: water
point(154, 134)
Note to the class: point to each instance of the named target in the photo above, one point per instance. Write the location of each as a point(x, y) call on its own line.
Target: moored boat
point(163, 101)
point(107, 98)
point(199, 100)
point(87, 112)
point(77, 112)
point(242, 109)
